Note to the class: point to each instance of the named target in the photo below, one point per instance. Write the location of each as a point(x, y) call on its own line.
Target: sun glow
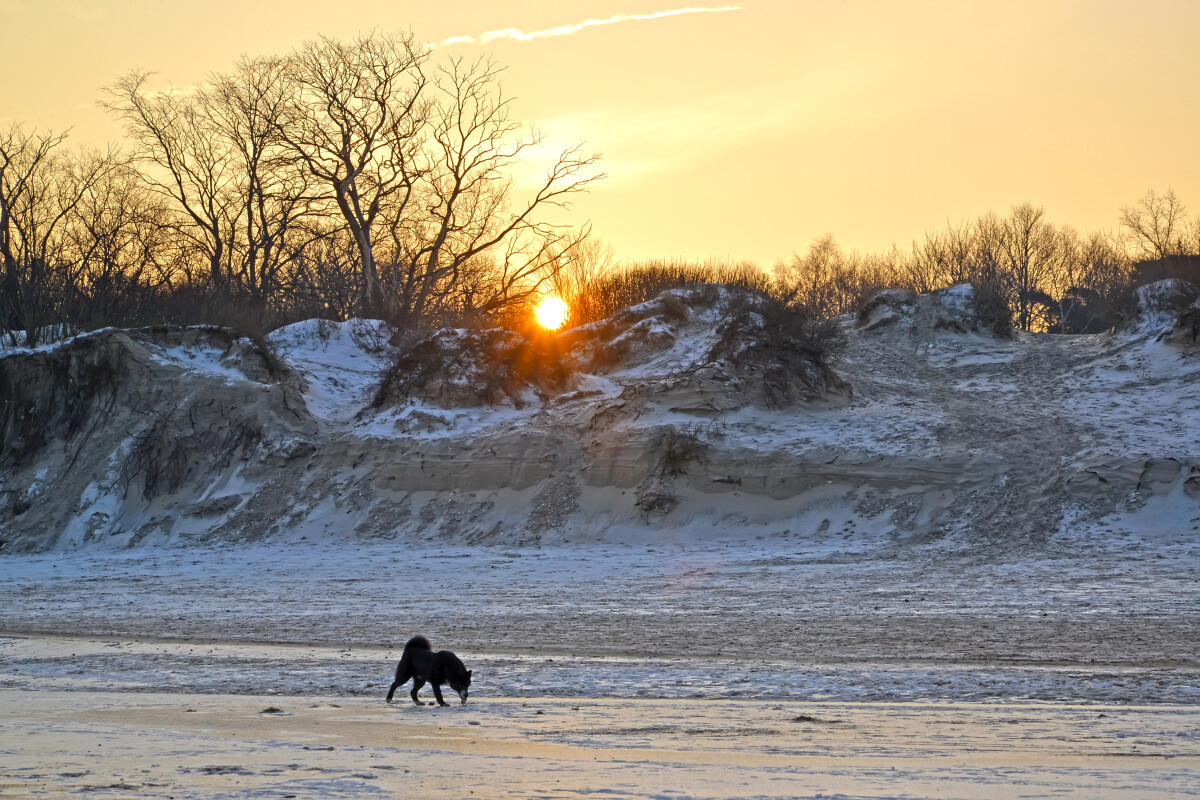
point(551, 313)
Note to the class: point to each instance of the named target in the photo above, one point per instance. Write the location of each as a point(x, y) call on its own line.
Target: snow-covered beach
point(763, 620)
point(751, 669)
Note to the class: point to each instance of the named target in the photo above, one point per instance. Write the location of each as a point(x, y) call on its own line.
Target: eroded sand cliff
point(663, 422)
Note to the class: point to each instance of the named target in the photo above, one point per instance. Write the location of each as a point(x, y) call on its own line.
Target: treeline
point(1040, 276)
point(374, 178)
point(348, 178)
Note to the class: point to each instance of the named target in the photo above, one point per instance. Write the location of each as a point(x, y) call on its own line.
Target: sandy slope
point(932, 430)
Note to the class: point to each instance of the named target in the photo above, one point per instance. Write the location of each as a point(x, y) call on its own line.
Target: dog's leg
point(437, 692)
point(418, 682)
point(402, 676)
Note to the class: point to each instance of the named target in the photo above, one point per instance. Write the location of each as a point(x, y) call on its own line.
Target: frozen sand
point(765, 669)
point(154, 745)
point(791, 618)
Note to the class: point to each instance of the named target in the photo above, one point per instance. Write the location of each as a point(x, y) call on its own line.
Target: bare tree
point(591, 260)
point(987, 251)
point(942, 259)
point(41, 186)
point(324, 278)
point(467, 215)
point(216, 153)
point(186, 158)
point(273, 189)
point(258, 160)
point(1031, 251)
point(1189, 239)
point(356, 119)
point(927, 264)
point(1156, 224)
point(1100, 287)
point(119, 251)
point(825, 281)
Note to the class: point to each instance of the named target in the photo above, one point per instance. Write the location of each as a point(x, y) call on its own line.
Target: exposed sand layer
point(181, 746)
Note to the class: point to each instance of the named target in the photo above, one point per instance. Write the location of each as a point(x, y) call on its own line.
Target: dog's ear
point(468, 674)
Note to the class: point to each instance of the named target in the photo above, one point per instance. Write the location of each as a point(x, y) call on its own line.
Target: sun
point(551, 313)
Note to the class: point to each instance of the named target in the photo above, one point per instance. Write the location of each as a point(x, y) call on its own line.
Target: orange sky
point(738, 133)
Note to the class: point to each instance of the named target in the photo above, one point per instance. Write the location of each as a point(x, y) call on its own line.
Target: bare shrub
point(1085, 311)
point(1181, 294)
point(601, 297)
point(472, 367)
point(668, 306)
point(657, 499)
point(990, 310)
point(678, 447)
point(370, 337)
point(789, 348)
point(1171, 296)
point(675, 448)
point(268, 360)
point(1187, 327)
point(54, 393)
point(167, 451)
point(871, 300)
point(159, 457)
point(200, 303)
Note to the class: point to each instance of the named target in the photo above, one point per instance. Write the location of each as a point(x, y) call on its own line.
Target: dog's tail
point(418, 643)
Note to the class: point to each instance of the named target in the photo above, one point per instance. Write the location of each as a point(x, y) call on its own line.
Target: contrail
point(565, 30)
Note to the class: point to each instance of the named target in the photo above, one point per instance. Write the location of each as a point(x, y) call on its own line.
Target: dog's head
point(461, 683)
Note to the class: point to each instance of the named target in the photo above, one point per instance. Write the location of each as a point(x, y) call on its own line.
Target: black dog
point(420, 663)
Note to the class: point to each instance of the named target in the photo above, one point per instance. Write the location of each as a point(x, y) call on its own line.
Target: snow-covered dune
point(664, 423)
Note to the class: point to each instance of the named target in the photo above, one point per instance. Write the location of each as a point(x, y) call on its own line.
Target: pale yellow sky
point(740, 133)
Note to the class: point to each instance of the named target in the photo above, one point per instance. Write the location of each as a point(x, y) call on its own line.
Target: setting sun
point(551, 313)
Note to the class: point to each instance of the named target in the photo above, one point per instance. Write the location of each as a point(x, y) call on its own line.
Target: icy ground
point(188, 746)
point(762, 620)
point(766, 669)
